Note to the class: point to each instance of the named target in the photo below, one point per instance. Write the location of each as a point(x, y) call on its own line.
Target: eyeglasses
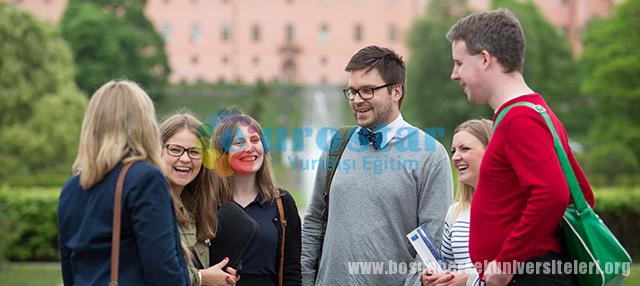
point(365, 93)
point(177, 151)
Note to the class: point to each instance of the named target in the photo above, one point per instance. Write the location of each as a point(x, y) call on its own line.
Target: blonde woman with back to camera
point(119, 127)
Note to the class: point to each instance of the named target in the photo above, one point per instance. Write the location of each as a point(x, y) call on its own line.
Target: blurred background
point(282, 61)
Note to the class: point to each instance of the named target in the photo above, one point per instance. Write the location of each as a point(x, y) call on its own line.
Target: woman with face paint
point(244, 176)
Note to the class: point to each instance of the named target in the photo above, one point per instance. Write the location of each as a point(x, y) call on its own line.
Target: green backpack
point(587, 239)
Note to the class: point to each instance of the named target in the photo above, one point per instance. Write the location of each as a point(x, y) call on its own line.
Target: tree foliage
point(610, 67)
point(114, 39)
point(549, 67)
point(41, 105)
point(434, 100)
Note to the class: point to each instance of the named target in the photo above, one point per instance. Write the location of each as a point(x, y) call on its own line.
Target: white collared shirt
point(394, 131)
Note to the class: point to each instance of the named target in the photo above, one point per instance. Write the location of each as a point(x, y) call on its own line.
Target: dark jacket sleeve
point(65, 252)
point(292, 247)
point(155, 228)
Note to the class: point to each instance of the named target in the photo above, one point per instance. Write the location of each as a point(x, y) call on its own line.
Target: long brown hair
point(120, 122)
point(197, 196)
point(221, 143)
point(481, 129)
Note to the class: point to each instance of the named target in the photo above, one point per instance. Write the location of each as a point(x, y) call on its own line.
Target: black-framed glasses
point(365, 93)
point(177, 151)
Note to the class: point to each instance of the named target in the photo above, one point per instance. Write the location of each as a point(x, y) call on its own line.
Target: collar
point(511, 100)
point(390, 131)
point(258, 201)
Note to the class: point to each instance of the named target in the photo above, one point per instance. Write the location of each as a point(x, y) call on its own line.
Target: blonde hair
point(223, 135)
point(197, 196)
point(482, 130)
point(119, 125)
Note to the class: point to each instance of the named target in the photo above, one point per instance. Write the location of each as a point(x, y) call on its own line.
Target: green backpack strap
point(338, 143)
point(576, 194)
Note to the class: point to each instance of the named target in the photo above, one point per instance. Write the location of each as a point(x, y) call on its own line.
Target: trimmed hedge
point(31, 225)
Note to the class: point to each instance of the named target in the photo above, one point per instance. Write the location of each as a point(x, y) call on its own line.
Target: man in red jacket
point(522, 192)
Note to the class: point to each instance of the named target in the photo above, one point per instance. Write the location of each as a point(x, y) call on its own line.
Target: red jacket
point(521, 193)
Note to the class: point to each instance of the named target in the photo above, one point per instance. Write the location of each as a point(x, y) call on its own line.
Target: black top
point(263, 257)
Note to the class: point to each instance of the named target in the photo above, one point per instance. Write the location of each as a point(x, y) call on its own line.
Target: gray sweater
point(376, 198)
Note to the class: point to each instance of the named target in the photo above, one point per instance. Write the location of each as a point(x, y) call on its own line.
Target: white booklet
point(422, 241)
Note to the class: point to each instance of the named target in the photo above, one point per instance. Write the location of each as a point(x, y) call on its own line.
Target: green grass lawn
point(48, 274)
point(634, 278)
point(30, 274)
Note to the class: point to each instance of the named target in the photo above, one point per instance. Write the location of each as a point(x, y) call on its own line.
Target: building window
point(255, 60)
point(323, 2)
point(226, 32)
point(357, 33)
point(393, 33)
point(166, 32)
point(255, 33)
point(392, 2)
point(225, 60)
point(324, 60)
point(195, 60)
point(196, 34)
point(289, 33)
point(324, 33)
point(358, 2)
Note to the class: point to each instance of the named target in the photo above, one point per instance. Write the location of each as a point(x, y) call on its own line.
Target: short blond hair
point(119, 124)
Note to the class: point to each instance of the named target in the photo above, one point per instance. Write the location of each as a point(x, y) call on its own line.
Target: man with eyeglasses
point(399, 179)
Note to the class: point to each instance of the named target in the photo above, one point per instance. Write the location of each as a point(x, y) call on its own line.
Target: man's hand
point(494, 276)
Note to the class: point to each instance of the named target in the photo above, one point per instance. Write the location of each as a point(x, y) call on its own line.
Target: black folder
point(236, 233)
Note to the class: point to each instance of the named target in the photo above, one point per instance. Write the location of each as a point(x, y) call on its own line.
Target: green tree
point(41, 107)
point(114, 39)
point(433, 100)
point(610, 67)
point(549, 65)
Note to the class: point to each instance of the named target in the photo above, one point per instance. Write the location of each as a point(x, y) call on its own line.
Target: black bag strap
point(338, 143)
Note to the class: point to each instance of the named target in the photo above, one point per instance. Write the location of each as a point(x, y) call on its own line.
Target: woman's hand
point(444, 278)
point(215, 276)
point(430, 278)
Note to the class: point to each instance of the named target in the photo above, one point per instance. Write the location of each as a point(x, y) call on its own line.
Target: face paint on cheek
point(241, 163)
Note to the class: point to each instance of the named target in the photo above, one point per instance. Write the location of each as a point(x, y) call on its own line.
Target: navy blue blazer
point(150, 251)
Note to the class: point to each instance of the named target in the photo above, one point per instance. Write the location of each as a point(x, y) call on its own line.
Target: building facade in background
point(297, 41)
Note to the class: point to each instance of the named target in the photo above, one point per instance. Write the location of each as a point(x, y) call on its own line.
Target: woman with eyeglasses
point(244, 177)
point(184, 140)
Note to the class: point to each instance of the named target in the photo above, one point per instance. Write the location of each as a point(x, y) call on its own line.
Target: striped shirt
point(455, 244)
